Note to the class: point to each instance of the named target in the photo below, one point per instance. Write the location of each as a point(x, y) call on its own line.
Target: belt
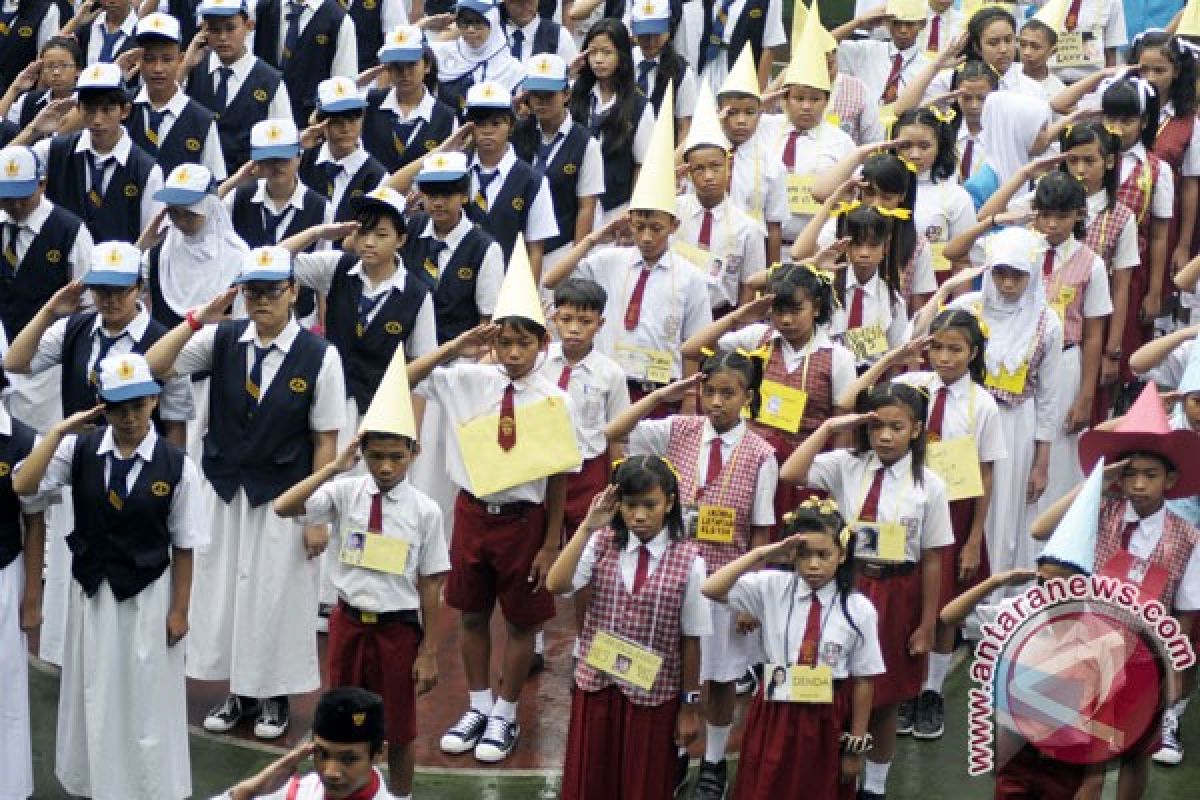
point(871, 569)
point(408, 616)
point(500, 509)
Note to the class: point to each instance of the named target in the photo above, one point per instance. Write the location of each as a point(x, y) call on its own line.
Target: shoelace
point(469, 720)
point(496, 731)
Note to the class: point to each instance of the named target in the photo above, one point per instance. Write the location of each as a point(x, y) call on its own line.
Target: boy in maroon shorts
point(388, 573)
point(513, 441)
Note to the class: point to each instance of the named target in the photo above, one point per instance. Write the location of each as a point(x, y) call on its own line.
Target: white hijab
point(457, 58)
point(194, 269)
point(1011, 122)
point(1013, 324)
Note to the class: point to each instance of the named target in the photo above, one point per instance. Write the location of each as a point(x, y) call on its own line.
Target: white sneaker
point(272, 721)
point(498, 740)
point(465, 734)
point(1171, 752)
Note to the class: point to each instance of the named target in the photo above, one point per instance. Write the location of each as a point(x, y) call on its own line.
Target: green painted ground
point(931, 771)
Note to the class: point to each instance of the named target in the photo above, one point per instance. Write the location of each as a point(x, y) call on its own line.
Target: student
point(275, 405)
point(659, 65)
point(725, 469)
point(944, 24)
point(976, 82)
point(1035, 45)
point(505, 539)
point(341, 169)
point(885, 67)
point(373, 21)
point(240, 88)
point(382, 635)
point(480, 53)
point(50, 77)
point(713, 38)
point(811, 618)
point(530, 33)
point(165, 122)
point(105, 31)
point(122, 717)
point(643, 575)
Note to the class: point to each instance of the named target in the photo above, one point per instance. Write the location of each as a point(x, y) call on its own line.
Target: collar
point(906, 56)
point(175, 106)
point(718, 211)
point(424, 109)
point(393, 281)
point(309, 5)
point(529, 30)
point(5, 422)
point(825, 594)
point(502, 167)
point(241, 68)
point(1137, 152)
point(1063, 250)
point(120, 151)
point(964, 135)
point(455, 235)
point(554, 355)
point(639, 57)
point(521, 383)
point(128, 25)
point(1167, 111)
point(136, 329)
point(656, 546)
point(819, 339)
point(296, 201)
point(564, 128)
point(351, 163)
point(144, 451)
point(958, 389)
point(1155, 520)
point(871, 287)
point(897, 471)
point(35, 219)
point(729, 437)
point(283, 341)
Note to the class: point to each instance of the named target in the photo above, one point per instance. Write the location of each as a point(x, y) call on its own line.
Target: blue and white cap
point(158, 26)
point(272, 263)
point(186, 185)
point(222, 8)
point(382, 197)
point(1073, 543)
point(650, 16)
point(100, 77)
point(125, 377)
point(274, 138)
point(443, 168)
point(340, 94)
point(114, 264)
point(405, 44)
point(489, 95)
point(546, 72)
point(20, 172)
point(480, 7)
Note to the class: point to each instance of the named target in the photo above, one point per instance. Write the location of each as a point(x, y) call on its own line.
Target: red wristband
point(193, 323)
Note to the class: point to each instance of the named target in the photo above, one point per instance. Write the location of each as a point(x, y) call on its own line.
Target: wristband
point(857, 745)
point(690, 698)
point(193, 323)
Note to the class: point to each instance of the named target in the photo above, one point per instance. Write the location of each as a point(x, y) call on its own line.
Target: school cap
point(650, 17)
point(405, 44)
point(100, 77)
point(274, 138)
point(20, 172)
point(545, 73)
point(124, 377)
point(349, 715)
point(383, 198)
point(443, 168)
point(1073, 543)
point(488, 95)
point(268, 264)
point(908, 10)
point(480, 7)
point(222, 8)
point(158, 26)
point(185, 186)
point(340, 94)
point(114, 264)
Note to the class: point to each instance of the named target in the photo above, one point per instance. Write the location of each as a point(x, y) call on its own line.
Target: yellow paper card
point(793, 683)
point(624, 660)
point(782, 406)
point(1066, 296)
point(867, 341)
point(940, 262)
point(716, 524)
point(800, 197)
point(956, 461)
point(698, 257)
point(643, 363)
point(1005, 381)
point(880, 541)
point(1075, 51)
point(887, 116)
point(545, 446)
point(374, 551)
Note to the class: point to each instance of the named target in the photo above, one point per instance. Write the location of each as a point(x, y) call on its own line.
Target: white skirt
point(254, 603)
point(60, 521)
point(196, 428)
point(1007, 527)
point(16, 753)
point(122, 708)
point(1065, 473)
point(34, 399)
point(428, 471)
point(725, 654)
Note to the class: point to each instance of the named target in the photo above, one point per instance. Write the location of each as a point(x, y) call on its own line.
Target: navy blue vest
point(619, 165)
point(508, 214)
point(366, 352)
point(35, 101)
point(379, 136)
point(266, 449)
point(8, 132)
point(368, 29)
point(78, 393)
point(18, 44)
point(84, 35)
point(119, 213)
point(454, 291)
point(129, 547)
point(13, 450)
point(313, 60)
point(750, 26)
point(249, 105)
point(545, 38)
point(42, 272)
point(183, 144)
point(248, 222)
point(369, 175)
point(159, 310)
point(562, 174)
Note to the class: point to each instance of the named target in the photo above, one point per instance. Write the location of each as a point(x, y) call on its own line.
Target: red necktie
point(732, 160)
point(1072, 18)
point(812, 634)
point(789, 150)
point(714, 462)
point(855, 320)
point(375, 519)
point(633, 311)
point(934, 428)
point(705, 238)
point(870, 507)
point(891, 88)
point(1127, 534)
point(643, 567)
point(506, 431)
point(564, 377)
point(964, 165)
point(1048, 263)
point(935, 29)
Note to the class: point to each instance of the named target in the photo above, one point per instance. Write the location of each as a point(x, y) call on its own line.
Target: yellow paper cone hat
point(655, 189)
point(518, 294)
point(743, 78)
point(800, 15)
point(1189, 23)
point(1053, 14)
point(908, 10)
point(391, 408)
point(808, 66)
point(706, 126)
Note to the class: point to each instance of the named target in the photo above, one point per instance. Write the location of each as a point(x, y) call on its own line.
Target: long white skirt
point(254, 601)
point(428, 471)
point(1065, 473)
point(725, 654)
point(60, 520)
point(325, 591)
point(16, 754)
point(1007, 527)
point(196, 428)
point(122, 709)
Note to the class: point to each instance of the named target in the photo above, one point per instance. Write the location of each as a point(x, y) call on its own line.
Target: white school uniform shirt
point(870, 60)
point(653, 436)
point(423, 111)
point(489, 272)
point(818, 150)
point(921, 508)
point(675, 303)
point(1169, 373)
point(311, 788)
point(315, 270)
point(328, 409)
point(350, 165)
point(345, 51)
point(691, 28)
point(1145, 539)
point(842, 369)
point(96, 39)
point(878, 309)
point(1190, 167)
point(737, 243)
point(641, 133)
point(467, 391)
point(1107, 16)
point(154, 180)
point(696, 614)
point(951, 23)
point(1162, 197)
point(565, 47)
point(759, 185)
point(210, 151)
point(541, 224)
point(408, 514)
point(780, 602)
point(923, 280)
point(176, 401)
point(591, 168)
point(49, 25)
point(1051, 85)
point(685, 88)
point(597, 386)
point(293, 206)
point(279, 106)
point(80, 256)
point(943, 210)
point(978, 153)
point(1097, 301)
point(185, 523)
point(970, 411)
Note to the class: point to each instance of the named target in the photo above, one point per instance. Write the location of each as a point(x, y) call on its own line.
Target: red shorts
point(378, 657)
point(1029, 775)
point(581, 488)
point(490, 557)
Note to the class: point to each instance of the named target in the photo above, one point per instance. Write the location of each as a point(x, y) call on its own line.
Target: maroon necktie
point(714, 462)
point(506, 432)
point(1127, 534)
point(564, 377)
point(1072, 18)
point(633, 311)
point(936, 415)
point(643, 566)
point(870, 507)
point(789, 150)
point(1048, 263)
point(964, 166)
point(855, 319)
point(375, 519)
point(812, 634)
point(891, 88)
point(705, 238)
point(935, 30)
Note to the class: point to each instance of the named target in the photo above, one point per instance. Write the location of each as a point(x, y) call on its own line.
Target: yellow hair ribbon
point(1113, 129)
point(773, 268)
point(895, 213)
point(707, 352)
point(1067, 130)
point(921, 389)
point(823, 275)
point(943, 115)
point(823, 505)
point(763, 352)
point(911, 166)
point(846, 208)
point(983, 326)
point(663, 459)
point(844, 537)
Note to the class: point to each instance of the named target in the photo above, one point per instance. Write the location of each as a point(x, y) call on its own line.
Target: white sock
point(716, 739)
point(505, 710)
point(539, 643)
point(876, 777)
point(939, 665)
point(403, 796)
point(1180, 707)
point(482, 701)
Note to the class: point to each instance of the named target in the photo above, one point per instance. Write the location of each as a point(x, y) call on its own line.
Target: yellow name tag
point(800, 197)
point(716, 524)
point(624, 660)
point(887, 116)
point(1075, 51)
point(1005, 381)
point(1066, 296)
point(940, 262)
point(374, 551)
point(880, 541)
point(698, 257)
point(793, 683)
point(644, 364)
point(867, 341)
point(782, 406)
point(956, 461)
point(546, 445)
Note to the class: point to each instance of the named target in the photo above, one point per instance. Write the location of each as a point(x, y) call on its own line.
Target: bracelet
point(857, 745)
point(193, 323)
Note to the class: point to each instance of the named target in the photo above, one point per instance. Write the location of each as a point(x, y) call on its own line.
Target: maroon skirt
point(962, 514)
point(897, 600)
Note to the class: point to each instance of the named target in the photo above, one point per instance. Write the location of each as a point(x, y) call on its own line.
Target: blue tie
point(96, 170)
point(104, 344)
point(643, 76)
point(433, 249)
point(108, 44)
point(332, 170)
point(402, 132)
point(518, 39)
point(118, 479)
point(716, 38)
point(365, 306)
point(154, 121)
point(222, 94)
point(254, 379)
point(545, 149)
point(271, 222)
point(292, 38)
point(484, 179)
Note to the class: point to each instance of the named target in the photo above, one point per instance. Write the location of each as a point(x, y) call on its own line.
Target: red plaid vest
point(818, 383)
point(1172, 553)
point(909, 273)
point(652, 618)
point(1075, 274)
point(1035, 361)
point(848, 102)
point(1137, 193)
point(1105, 231)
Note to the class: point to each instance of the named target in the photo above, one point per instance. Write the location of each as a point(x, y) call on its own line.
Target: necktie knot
point(518, 40)
point(118, 479)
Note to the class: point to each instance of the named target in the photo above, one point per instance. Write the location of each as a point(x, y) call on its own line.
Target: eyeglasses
point(264, 292)
point(58, 66)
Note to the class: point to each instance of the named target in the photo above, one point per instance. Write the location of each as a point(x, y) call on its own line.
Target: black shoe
point(863, 794)
point(498, 741)
point(931, 716)
point(711, 783)
point(465, 733)
point(538, 664)
point(747, 684)
point(273, 719)
point(906, 717)
point(230, 713)
point(682, 765)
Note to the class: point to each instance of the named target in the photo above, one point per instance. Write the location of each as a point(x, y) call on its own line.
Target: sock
point(539, 643)
point(1180, 707)
point(876, 777)
point(716, 739)
point(939, 665)
point(505, 710)
point(403, 796)
point(482, 701)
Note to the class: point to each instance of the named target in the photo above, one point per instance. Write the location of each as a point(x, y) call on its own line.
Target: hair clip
point(771, 270)
point(707, 352)
point(921, 390)
point(943, 115)
point(911, 166)
point(671, 467)
point(902, 214)
point(762, 352)
point(823, 275)
point(844, 537)
point(823, 505)
point(846, 208)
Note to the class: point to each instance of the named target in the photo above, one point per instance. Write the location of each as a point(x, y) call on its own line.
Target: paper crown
point(1145, 428)
point(908, 10)
point(808, 66)
point(706, 125)
point(391, 408)
point(518, 294)
point(1053, 13)
point(743, 78)
point(1073, 543)
point(655, 188)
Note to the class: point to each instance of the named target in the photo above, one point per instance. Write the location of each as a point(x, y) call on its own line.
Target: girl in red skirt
point(902, 521)
point(813, 619)
point(635, 698)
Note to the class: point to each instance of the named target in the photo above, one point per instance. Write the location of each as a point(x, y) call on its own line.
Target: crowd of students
point(316, 318)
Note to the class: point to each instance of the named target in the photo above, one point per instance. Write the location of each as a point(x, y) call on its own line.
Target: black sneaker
point(863, 794)
point(682, 765)
point(747, 684)
point(273, 719)
point(906, 714)
point(538, 664)
point(499, 740)
point(230, 713)
point(465, 734)
point(711, 783)
point(931, 716)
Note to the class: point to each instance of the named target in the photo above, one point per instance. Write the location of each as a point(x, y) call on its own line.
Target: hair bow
point(846, 208)
point(707, 352)
point(761, 352)
point(844, 537)
point(666, 462)
point(943, 115)
point(823, 505)
point(823, 275)
point(911, 166)
point(1186, 48)
point(902, 214)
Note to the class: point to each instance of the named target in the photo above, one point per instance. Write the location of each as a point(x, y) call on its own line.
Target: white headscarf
point(1013, 324)
point(456, 59)
point(194, 269)
point(1011, 122)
